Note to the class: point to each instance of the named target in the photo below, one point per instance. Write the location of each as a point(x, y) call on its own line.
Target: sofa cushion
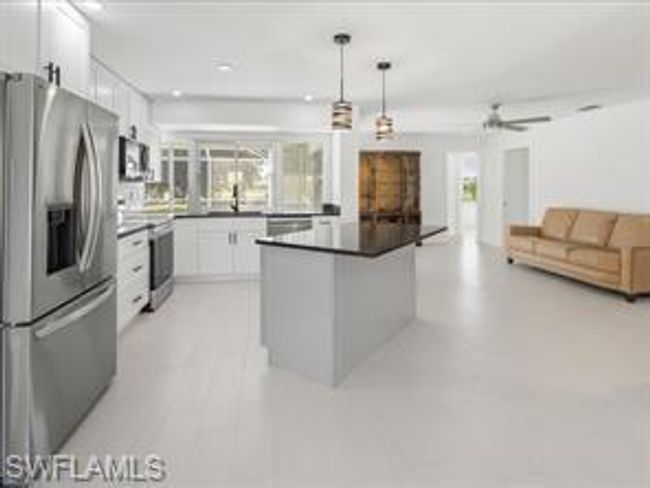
point(558, 222)
point(553, 249)
point(607, 260)
point(522, 243)
point(631, 231)
point(593, 227)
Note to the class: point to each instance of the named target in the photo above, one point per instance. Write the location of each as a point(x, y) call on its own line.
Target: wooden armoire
point(389, 186)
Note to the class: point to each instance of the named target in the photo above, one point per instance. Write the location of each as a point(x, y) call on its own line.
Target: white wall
point(598, 159)
point(433, 165)
point(240, 115)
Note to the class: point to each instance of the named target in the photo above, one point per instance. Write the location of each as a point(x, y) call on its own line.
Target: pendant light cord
point(383, 92)
point(342, 74)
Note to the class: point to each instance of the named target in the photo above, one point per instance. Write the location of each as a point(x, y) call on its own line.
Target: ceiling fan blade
point(529, 120)
point(516, 128)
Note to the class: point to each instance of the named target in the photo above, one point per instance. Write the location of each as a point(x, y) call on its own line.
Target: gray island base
point(333, 295)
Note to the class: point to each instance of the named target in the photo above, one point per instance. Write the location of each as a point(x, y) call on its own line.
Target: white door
point(185, 247)
point(247, 253)
point(65, 41)
point(215, 253)
point(18, 35)
point(516, 194)
point(453, 193)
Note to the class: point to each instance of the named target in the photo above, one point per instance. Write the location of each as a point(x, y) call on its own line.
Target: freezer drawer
point(55, 369)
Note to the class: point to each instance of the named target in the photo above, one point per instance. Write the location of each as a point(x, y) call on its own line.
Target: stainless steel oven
point(161, 244)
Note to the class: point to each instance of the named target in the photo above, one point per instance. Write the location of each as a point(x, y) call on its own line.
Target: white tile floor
point(509, 378)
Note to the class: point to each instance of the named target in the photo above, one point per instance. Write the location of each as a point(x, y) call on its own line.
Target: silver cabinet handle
point(136, 299)
point(67, 320)
point(137, 268)
point(136, 243)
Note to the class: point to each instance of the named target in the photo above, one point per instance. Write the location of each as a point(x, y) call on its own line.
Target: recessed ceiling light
point(177, 93)
point(92, 5)
point(308, 98)
point(224, 67)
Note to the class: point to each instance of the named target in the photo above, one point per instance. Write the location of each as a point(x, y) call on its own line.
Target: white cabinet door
point(123, 107)
point(246, 256)
point(105, 84)
point(19, 36)
point(185, 248)
point(215, 253)
point(65, 41)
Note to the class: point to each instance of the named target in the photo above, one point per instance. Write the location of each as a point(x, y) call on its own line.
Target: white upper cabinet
point(103, 85)
point(65, 42)
point(18, 35)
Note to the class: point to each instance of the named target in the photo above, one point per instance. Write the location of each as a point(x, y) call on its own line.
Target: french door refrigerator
point(58, 228)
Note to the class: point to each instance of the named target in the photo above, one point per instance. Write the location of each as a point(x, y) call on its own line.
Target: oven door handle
point(59, 323)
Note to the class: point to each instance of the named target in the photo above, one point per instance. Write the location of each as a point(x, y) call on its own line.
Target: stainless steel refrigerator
point(58, 226)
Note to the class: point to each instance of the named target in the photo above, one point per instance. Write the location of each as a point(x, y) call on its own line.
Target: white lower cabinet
point(132, 277)
point(214, 253)
point(246, 255)
point(217, 247)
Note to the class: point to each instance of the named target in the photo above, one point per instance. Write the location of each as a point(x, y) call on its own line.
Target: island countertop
point(354, 239)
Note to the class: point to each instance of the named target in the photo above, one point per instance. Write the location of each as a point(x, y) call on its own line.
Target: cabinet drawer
point(132, 244)
point(133, 266)
point(131, 299)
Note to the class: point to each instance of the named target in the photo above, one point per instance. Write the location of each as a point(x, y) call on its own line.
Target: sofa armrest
point(635, 269)
point(525, 230)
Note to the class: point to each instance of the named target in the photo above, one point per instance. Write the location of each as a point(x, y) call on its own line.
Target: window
point(171, 191)
point(300, 176)
point(224, 165)
point(282, 175)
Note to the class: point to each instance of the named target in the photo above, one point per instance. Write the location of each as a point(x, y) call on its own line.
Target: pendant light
point(384, 123)
point(341, 109)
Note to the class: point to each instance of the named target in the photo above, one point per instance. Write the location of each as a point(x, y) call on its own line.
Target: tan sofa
point(606, 249)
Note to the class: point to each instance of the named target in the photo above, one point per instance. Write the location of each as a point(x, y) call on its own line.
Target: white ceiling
point(449, 58)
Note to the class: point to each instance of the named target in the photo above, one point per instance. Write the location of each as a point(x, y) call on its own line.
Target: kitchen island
point(332, 295)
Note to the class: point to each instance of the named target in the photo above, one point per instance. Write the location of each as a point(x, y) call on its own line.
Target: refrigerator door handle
point(84, 260)
point(98, 197)
point(57, 324)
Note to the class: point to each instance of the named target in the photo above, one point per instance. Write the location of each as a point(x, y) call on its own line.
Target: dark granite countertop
point(129, 228)
point(137, 223)
point(354, 239)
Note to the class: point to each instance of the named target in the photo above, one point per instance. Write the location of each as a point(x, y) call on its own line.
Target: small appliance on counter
point(133, 160)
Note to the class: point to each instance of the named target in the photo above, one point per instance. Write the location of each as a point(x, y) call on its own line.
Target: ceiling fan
point(494, 121)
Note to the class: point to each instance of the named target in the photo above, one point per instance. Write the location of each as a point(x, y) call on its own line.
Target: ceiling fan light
point(341, 115)
point(384, 128)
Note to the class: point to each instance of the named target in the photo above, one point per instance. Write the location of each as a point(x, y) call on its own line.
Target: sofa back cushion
point(593, 227)
point(631, 231)
point(558, 222)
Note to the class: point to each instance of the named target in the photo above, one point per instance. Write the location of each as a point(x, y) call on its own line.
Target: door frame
point(506, 173)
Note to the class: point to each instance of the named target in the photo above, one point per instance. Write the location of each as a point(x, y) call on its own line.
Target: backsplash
point(132, 194)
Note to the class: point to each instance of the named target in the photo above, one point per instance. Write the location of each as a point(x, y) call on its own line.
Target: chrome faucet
point(235, 198)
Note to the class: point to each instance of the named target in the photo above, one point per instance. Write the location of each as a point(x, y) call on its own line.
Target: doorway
point(463, 194)
point(516, 186)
